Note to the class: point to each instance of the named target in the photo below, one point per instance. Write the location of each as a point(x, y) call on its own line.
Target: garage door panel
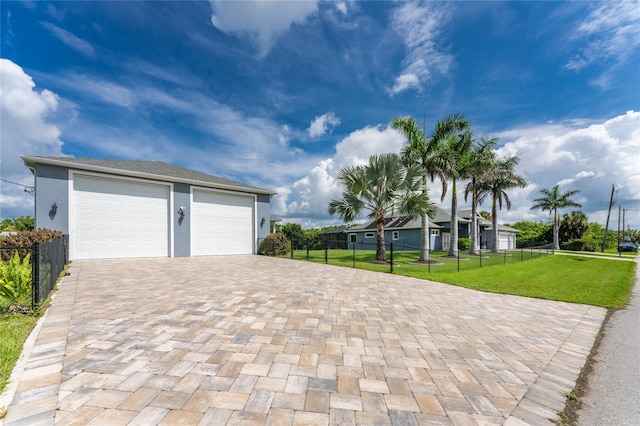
point(118, 218)
point(222, 223)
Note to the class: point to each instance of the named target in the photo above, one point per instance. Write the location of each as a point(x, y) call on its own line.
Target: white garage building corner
point(129, 208)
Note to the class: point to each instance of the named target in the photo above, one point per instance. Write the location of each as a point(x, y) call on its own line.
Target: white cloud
point(323, 124)
point(98, 90)
point(342, 7)
point(613, 33)
point(419, 25)
point(264, 21)
point(575, 155)
point(71, 40)
point(309, 197)
point(25, 130)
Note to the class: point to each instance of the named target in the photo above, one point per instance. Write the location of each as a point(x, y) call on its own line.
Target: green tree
point(496, 182)
point(382, 186)
point(22, 223)
point(552, 201)
point(481, 163)
point(532, 233)
point(294, 233)
point(573, 226)
point(421, 149)
point(453, 158)
point(485, 215)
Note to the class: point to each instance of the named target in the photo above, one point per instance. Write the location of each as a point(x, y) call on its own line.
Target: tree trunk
point(453, 244)
point(474, 222)
point(424, 238)
point(380, 250)
point(494, 222)
point(556, 231)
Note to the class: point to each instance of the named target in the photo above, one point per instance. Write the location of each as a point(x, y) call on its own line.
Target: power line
point(28, 189)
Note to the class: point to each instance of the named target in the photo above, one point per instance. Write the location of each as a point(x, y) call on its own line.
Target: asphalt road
point(613, 397)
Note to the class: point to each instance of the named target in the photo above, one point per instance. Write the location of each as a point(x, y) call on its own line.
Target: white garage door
point(504, 241)
point(117, 218)
point(222, 223)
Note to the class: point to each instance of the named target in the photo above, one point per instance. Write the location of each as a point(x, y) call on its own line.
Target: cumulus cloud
point(419, 25)
point(309, 197)
point(588, 157)
point(612, 31)
point(323, 124)
point(25, 129)
point(71, 40)
point(263, 21)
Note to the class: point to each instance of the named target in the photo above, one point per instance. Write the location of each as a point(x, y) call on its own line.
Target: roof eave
point(31, 162)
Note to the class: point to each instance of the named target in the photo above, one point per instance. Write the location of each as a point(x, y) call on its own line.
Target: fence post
point(391, 248)
point(481, 258)
point(35, 281)
point(505, 256)
point(326, 253)
point(521, 254)
point(291, 249)
point(307, 250)
point(429, 261)
point(458, 260)
point(354, 254)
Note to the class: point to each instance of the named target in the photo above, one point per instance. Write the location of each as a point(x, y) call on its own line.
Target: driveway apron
point(259, 340)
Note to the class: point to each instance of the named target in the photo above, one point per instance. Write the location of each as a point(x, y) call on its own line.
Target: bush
point(15, 282)
point(26, 239)
point(464, 243)
point(580, 245)
point(274, 245)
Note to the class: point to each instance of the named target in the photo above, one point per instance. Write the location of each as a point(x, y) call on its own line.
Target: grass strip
point(14, 330)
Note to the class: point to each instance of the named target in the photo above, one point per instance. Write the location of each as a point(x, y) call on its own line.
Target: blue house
point(405, 234)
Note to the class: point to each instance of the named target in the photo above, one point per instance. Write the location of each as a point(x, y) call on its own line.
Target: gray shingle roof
point(150, 169)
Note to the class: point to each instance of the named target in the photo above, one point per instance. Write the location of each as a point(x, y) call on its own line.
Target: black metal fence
point(399, 255)
point(47, 262)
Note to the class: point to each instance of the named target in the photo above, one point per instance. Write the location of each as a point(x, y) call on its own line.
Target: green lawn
point(14, 329)
point(593, 281)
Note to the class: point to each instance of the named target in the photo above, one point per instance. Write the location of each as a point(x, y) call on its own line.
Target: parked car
point(627, 247)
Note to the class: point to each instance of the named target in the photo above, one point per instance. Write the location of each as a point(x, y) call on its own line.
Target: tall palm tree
point(552, 201)
point(453, 158)
point(421, 149)
point(480, 164)
point(502, 177)
point(382, 186)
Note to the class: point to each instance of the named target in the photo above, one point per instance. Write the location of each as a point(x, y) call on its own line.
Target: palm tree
point(421, 150)
point(382, 186)
point(453, 158)
point(481, 162)
point(496, 182)
point(573, 225)
point(552, 201)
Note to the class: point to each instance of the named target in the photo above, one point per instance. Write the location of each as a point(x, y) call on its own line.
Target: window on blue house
point(435, 232)
point(396, 235)
point(369, 234)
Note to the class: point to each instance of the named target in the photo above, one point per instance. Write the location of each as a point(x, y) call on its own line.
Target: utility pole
point(606, 227)
point(624, 237)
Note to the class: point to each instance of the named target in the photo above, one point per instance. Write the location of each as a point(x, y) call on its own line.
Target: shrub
point(274, 245)
point(15, 282)
point(464, 243)
point(26, 239)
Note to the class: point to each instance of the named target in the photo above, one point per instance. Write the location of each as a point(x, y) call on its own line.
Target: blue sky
point(283, 94)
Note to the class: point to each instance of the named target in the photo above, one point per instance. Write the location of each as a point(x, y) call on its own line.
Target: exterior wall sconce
point(181, 212)
point(262, 221)
point(53, 211)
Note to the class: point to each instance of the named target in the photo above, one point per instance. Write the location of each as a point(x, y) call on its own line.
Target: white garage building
point(126, 208)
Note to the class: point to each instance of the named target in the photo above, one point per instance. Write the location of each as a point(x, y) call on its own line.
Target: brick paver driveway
point(257, 340)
